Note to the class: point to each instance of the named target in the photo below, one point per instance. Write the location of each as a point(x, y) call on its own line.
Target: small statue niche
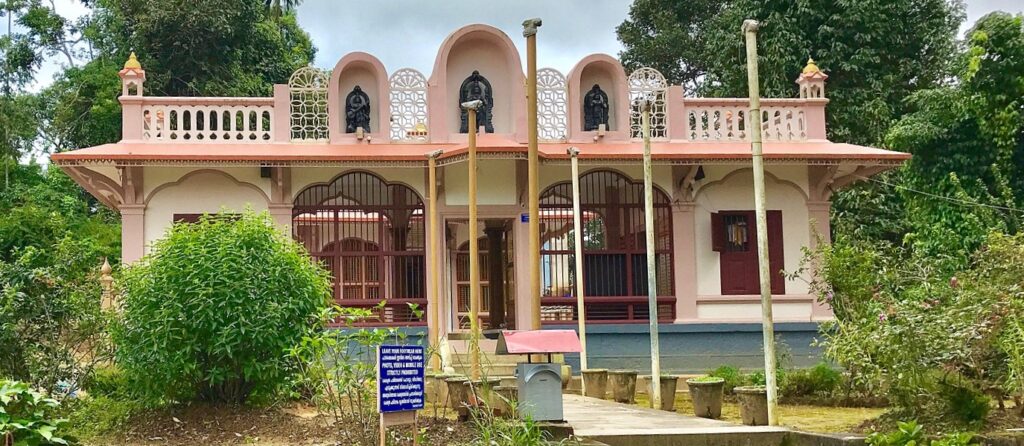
point(357, 111)
point(477, 87)
point(595, 109)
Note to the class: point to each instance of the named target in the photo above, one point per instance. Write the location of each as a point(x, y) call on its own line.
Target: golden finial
point(811, 67)
point(132, 63)
point(106, 269)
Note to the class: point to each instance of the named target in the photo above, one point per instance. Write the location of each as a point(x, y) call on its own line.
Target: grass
point(802, 417)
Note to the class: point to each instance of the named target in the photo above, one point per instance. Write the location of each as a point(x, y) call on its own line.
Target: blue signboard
point(400, 378)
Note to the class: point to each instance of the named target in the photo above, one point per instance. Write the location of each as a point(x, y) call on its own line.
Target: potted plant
point(595, 383)
point(668, 392)
point(753, 405)
point(623, 385)
point(706, 392)
point(459, 395)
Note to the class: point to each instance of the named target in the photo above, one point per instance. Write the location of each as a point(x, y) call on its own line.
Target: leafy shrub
point(906, 328)
point(100, 415)
point(732, 376)
point(52, 243)
point(909, 433)
point(336, 371)
point(966, 404)
point(26, 416)
point(211, 312)
point(820, 380)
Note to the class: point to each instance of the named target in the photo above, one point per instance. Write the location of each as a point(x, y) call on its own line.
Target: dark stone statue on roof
point(357, 111)
point(595, 109)
point(473, 88)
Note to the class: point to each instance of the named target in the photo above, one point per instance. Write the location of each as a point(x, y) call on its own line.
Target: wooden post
point(761, 219)
point(533, 167)
point(474, 246)
point(433, 306)
point(652, 280)
point(577, 222)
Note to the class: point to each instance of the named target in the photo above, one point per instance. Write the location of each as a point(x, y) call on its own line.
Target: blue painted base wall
point(693, 348)
point(685, 348)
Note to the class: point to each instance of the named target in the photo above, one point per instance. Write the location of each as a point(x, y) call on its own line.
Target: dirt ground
point(237, 425)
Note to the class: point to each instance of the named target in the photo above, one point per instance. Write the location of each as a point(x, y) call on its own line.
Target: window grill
point(614, 251)
point(369, 235)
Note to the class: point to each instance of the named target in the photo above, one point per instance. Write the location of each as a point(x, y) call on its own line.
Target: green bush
point(732, 376)
point(100, 415)
point(967, 405)
point(27, 416)
point(820, 380)
point(211, 312)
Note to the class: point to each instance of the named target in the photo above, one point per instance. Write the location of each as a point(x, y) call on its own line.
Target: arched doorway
point(614, 251)
point(369, 234)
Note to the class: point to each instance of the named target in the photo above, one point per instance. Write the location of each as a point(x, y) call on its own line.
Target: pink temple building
point(339, 159)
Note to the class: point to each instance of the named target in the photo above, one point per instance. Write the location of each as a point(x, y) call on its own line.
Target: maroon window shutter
point(717, 232)
point(775, 252)
point(187, 218)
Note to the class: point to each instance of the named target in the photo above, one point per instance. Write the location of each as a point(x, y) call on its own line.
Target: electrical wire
point(943, 197)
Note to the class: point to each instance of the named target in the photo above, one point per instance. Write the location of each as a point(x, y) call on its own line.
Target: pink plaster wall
point(368, 72)
point(492, 52)
point(606, 71)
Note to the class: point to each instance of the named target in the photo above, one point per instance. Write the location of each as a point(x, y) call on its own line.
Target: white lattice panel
point(408, 103)
point(648, 83)
point(207, 123)
point(307, 92)
point(552, 112)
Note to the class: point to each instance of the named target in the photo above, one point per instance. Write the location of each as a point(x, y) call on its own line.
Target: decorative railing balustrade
point(710, 119)
point(299, 112)
point(201, 120)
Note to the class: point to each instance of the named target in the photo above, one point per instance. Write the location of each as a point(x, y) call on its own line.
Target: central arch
point(369, 234)
point(614, 250)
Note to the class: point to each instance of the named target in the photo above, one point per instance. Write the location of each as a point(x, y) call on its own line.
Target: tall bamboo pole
point(652, 280)
point(577, 224)
point(755, 122)
point(533, 168)
point(433, 304)
point(474, 247)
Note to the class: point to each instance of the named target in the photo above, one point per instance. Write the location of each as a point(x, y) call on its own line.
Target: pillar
point(819, 213)
point(685, 260)
point(495, 230)
point(133, 234)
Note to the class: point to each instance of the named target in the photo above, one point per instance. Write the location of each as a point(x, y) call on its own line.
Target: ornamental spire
point(811, 67)
point(132, 63)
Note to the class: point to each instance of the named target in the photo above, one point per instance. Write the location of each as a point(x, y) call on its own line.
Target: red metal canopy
point(538, 342)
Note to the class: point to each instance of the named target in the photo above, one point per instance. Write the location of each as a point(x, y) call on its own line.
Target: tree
point(968, 146)
point(876, 52)
point(226, 48)
point(669, 35)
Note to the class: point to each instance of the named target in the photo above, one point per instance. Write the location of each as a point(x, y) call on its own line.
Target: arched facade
point(370, 235)
point(367, 72)
point(614, 250)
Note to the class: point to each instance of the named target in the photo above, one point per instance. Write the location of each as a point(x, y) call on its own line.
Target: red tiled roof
point(300, 153)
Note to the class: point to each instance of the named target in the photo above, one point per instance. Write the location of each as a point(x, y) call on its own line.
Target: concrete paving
point(625, 425)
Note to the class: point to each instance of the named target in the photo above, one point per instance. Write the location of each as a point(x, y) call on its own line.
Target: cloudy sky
point(407, 33)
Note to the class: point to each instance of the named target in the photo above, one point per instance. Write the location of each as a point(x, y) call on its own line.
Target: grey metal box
point(540, 391)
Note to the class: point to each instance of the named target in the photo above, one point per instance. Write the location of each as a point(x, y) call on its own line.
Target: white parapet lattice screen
point(552, 116)
point(307, 96)
point(648, 84)
point(408, 104)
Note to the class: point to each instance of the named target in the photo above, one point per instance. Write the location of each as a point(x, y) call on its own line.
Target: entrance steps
point(458, 357)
